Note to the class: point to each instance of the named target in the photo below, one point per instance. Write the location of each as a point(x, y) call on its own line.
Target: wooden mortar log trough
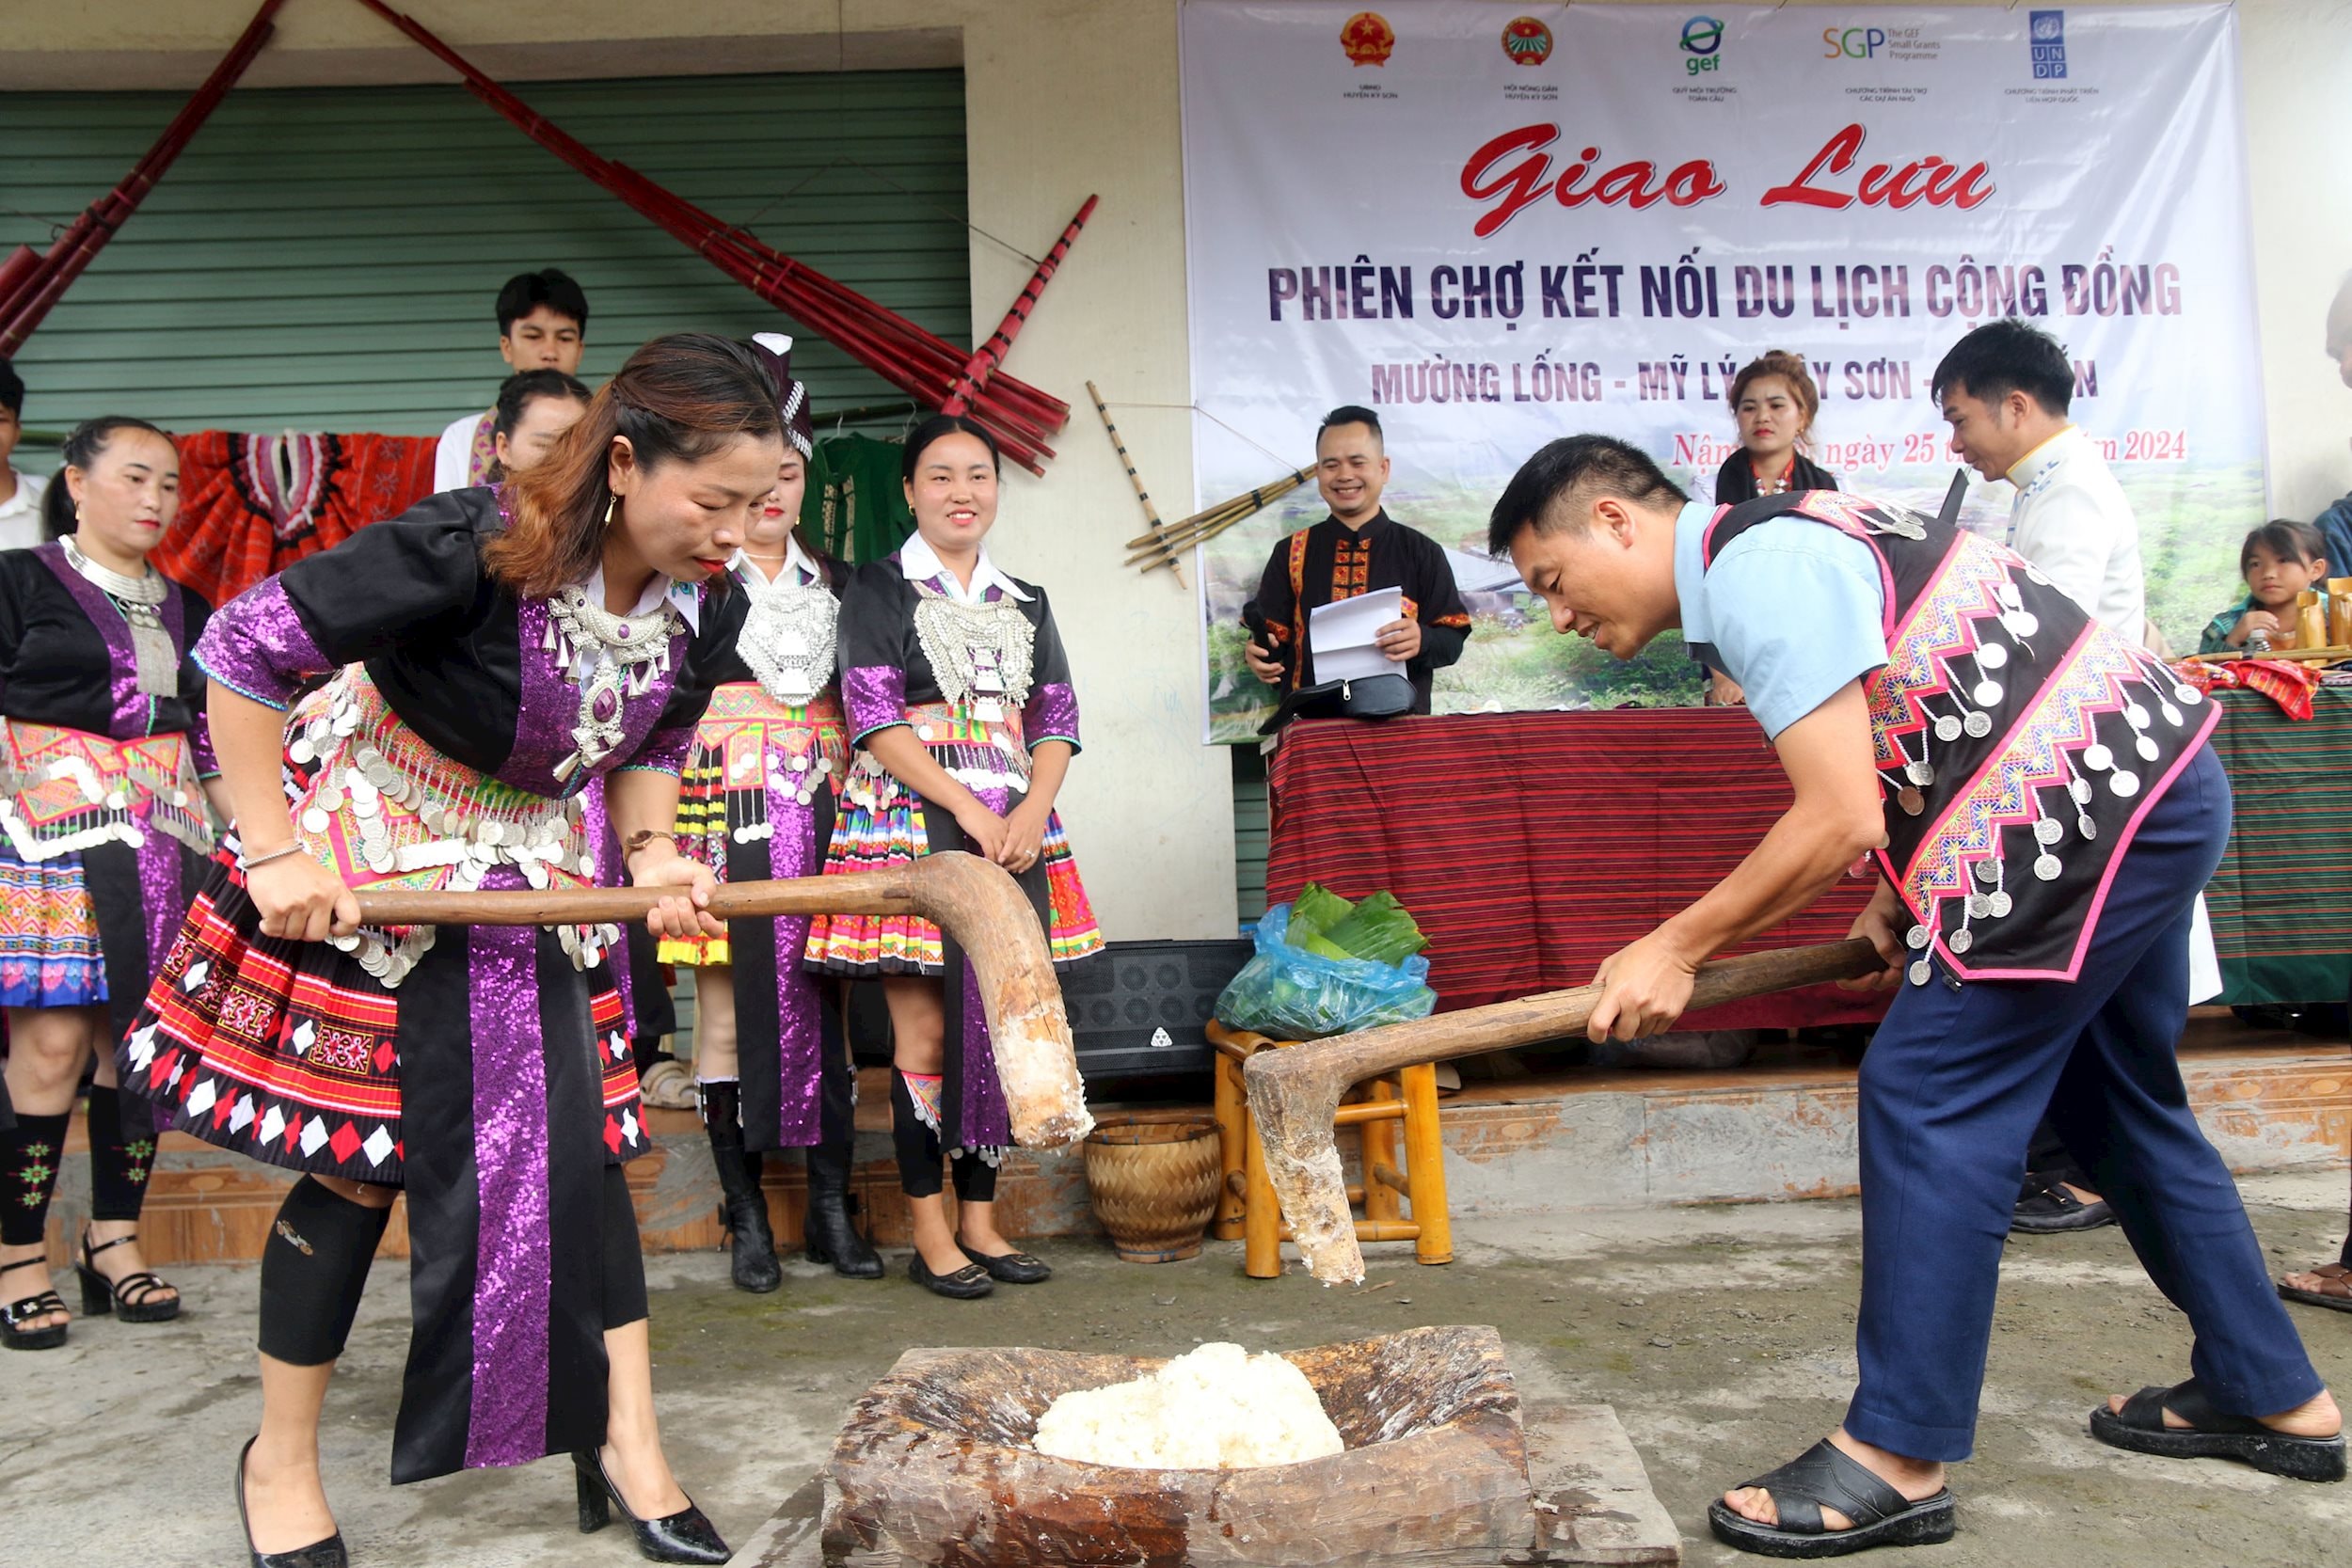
point(934, 1467)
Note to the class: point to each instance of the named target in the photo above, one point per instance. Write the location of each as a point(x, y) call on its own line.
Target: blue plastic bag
point(1288, 994)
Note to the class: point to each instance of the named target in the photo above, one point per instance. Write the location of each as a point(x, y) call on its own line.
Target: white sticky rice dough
point(1218, 1409)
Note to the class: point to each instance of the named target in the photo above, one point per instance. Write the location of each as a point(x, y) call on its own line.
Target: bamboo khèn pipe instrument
point(1150, 512)
point(1152, 552)
point(1295, 1093)
point(976, 902)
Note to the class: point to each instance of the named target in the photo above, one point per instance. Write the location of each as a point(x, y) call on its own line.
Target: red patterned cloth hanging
point(251, 505)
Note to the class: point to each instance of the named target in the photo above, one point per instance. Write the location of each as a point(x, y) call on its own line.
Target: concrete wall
point(1073, 96)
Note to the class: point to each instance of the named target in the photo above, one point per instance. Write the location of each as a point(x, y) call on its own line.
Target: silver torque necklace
point(139, 600)
point(625, 655)
point(788, 634)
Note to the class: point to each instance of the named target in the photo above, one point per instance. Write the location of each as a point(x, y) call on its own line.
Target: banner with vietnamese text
point(1498, 223)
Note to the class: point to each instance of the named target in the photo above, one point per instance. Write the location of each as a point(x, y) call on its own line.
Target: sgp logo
point(1702, 44)
point(1852, 43)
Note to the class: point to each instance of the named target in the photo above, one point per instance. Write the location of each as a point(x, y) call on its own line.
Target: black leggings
point(918, 1150)
point(314, 1268)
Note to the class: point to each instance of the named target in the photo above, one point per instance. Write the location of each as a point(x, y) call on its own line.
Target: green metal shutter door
point(327, 259)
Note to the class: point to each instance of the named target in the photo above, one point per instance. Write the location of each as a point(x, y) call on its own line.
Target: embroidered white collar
point(681, 595)
point(795, 560)
point(919, 562)
point(2045, 460)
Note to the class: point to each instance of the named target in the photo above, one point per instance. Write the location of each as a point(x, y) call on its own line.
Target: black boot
point(744, 1212)
point(832, 1234)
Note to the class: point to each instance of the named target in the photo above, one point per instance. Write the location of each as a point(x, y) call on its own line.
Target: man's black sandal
point(2214, 1434)
point(2054, 1211)
point(1825, 1476)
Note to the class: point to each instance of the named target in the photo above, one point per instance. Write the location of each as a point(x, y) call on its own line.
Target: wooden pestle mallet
point(976, 903)
point(1295, 1093)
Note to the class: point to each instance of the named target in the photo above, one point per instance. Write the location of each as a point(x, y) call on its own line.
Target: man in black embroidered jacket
point(1358, 548)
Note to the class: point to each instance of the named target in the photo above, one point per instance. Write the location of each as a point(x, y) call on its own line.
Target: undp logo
point(1702, 42)
point(2046, 39)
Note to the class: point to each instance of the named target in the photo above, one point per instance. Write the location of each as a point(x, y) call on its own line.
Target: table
point(2282, 900)
point(1531, 846)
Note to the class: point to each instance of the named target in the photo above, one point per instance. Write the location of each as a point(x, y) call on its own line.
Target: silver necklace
point(980, 652)
point(139, 601)
point(789, 634)
point(624, 655)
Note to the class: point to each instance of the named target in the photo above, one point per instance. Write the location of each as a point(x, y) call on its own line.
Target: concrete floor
point(1721, 1334)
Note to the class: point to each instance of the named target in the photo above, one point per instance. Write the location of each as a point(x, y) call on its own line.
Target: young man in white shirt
point(2005, 389)
point(543, 325)
point(19, 493)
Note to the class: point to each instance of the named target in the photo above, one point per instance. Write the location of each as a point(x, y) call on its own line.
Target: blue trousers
point(1950, 1090)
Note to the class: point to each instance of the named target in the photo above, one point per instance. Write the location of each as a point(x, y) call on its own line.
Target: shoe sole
point(1924, 1524)
point(38, 1338)
point(2313, 1298)
point(2066, 1225)
point(2318, 1459)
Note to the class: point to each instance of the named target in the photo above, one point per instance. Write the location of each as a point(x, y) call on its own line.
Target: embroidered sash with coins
point(64, 790)
point(749, 750)
point(380, 808)
point(979, 753)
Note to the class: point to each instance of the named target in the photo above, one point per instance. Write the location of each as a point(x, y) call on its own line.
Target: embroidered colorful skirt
point(49, 951)
point(882, 823)
point(100, 842)
point(483, 1069)
point(756, 803)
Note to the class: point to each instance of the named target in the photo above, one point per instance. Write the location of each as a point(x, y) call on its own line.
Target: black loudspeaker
point(1140, 1009)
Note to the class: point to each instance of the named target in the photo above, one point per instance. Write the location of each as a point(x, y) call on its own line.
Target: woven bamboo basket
point(1155, 1185)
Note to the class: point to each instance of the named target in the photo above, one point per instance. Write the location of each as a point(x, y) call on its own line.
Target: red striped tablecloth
point(1531, 846)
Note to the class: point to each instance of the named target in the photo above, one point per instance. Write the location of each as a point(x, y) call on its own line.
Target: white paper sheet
point(1343, 635)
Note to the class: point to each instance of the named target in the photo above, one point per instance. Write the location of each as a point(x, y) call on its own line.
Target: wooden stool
point(1247, 1208)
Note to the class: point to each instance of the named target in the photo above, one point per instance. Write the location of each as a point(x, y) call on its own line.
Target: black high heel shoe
point(686, 1536)
point(328, 1553)
point(17, 1313)
point(132, 1298)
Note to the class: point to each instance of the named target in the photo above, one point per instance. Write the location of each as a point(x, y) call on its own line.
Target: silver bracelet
point(245, 863)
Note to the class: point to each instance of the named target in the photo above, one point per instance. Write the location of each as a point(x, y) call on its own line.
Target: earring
point(608, 507)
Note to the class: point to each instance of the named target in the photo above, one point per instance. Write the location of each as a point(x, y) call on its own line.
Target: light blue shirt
point(1794, 609)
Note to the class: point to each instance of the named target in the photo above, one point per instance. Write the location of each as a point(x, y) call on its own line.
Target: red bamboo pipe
point(39, 290)
point(986, 359)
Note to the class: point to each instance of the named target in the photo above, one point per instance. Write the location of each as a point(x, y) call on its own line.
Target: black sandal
point(13, 1319)
point(1825, 1475)
point(2214, 1434)
point(132, 1298)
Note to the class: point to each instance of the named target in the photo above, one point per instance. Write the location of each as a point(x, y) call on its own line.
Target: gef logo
point(1852, 43)
point(1702, 44)
point(2046, 34)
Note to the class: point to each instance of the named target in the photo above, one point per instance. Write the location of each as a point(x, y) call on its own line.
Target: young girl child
point(958, 696)
point(101, 833)
point(769, 1058)
point(484, 655)
point(2280, 561)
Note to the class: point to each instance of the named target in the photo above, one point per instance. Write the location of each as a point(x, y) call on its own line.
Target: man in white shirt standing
point(2005, 389)
point(19, 493)
point(542, 324)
